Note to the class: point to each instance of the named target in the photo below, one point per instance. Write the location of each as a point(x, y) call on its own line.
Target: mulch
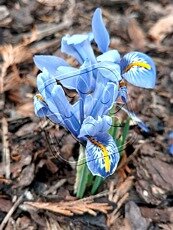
point(37, 169)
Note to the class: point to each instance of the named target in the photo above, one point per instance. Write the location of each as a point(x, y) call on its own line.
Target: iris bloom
point(99, 81)
point(86, 119)
point(135, 67)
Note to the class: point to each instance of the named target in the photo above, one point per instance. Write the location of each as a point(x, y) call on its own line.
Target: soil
point(36, 176)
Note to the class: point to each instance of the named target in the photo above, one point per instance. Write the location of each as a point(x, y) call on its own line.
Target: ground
point(36, 185)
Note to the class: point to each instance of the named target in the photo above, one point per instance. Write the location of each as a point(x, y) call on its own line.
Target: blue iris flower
point(86, 119)
point(135, 67)
point(99, 81)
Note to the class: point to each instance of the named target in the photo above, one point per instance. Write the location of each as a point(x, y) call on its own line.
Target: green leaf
point(97, 182)
point(124, 135)
point(81, 179)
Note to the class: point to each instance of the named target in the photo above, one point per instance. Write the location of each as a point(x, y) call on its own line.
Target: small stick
point(11, 211)
point(6, 151)
point(54, 187)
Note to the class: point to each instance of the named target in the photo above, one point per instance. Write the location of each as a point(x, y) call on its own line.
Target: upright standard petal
point(138, 69)
point(92, 127)
point(78, 46)
point(87, 75)
point(101, 35)
point(103, 99)
point(51, 63)
point(110, 56)
point(68, 76)
point(109, 70)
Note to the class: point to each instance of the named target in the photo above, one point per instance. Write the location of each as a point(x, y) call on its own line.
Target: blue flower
point(138, 69)
point(99, 81)
point(101, 151)
point(86, 119)
point(101, 35)
point(135, 67)
point(78, 46)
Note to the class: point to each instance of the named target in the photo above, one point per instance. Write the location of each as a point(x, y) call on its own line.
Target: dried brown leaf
point(26, 176)
point(5, 205)
point(123, 189)
point(136, 34)
point(14, 54)
point(26, 110)
point(12, 80)
point(51, 3)
point(161, 28)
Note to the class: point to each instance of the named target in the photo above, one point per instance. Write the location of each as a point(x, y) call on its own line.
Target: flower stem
point(83, 175)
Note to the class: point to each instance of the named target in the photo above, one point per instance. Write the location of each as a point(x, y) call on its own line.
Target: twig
point(11, 211)
point(6, 151)
point(55, 187)
point(101, 194)
point(112, 217)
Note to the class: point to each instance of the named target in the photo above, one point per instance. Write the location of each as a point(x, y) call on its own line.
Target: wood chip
point(161, 28)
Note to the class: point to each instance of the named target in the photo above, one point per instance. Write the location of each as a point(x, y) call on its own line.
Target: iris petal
point(91, 126)
point(67, 75)
point(138, 69)
point(78, 46)
point(110, 71)
point(101, 35)
point(40, 107)
point(42, 110)
point(51, 63)
point(104, 99)
point(65, 109)
point(45, 83)
point(86, 81)
point(110, 56)
point(102, 158)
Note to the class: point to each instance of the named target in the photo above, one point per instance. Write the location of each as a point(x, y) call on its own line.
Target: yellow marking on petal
point(105, 154)
point(39, 97)
point(139, 64)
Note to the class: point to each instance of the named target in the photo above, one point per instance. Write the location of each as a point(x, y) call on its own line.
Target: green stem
point(83, 175)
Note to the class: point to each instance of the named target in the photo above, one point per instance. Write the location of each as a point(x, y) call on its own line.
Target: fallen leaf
point(136, 34)
point(5, 205)
point(161, 28)
point(26, 109)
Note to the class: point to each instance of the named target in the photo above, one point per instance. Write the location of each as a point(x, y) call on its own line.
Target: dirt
point(36, 178)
